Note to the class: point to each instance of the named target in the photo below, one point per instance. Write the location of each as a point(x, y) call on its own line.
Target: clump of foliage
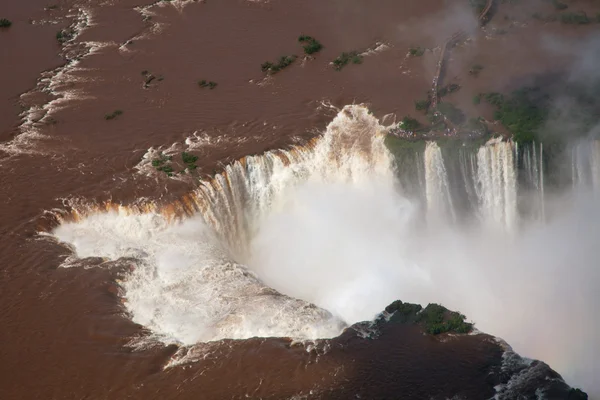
point(113, 115)
point(160, 164)
point(559, 5)
point(453, 87)
point(283, 62)
point(311, 45)
point(343, 59)
point(579, 18)
point(522, 113)
point(409, 124)
point(438, 319)
point(210, 84)
point(477, 99)
point(494, 98)
point(403, 312)
point(5, 23)
point(451, 112)
point(422, 105)
point(189, 160)
point(65, 35)
point(475, 69)
point(416, 51)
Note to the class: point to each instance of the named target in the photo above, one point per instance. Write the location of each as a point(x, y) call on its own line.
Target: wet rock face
point(448, 363)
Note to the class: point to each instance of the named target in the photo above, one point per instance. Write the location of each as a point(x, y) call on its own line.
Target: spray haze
point(304, 242)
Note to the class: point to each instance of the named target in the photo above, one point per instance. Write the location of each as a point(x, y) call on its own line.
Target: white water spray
point(327, 225)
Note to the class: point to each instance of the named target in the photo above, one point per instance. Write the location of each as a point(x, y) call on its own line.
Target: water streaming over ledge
point(191, 281)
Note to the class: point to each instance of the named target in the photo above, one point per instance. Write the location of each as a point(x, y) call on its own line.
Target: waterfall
point(496, 184)
point(352, 150)
point(439, 200)
point(585, 164)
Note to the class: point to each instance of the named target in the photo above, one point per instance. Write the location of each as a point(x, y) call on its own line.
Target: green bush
point(438, 319)
point(207, 84)
point(416, 51)
point(65, 35)
point(477, 99)
point(579, 18)
point(422, 105)
point(113, 115)
point(4, 23)
point(521, 113)
point(283, 62)
point(311, 45)
point(188, 158)
point(343, 59)
point(410, 124)
point(558, 5)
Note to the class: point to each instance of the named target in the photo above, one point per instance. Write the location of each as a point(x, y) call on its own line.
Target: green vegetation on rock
point(311, 45)
point(438, 319)
point(283, 62)
point(5, 23)
point(559, 5)
point(422, 105)
point(451, 88)
point(434, 318)
point(65, 35)
point(343, 59)
point(416, 51)
point(575, 18)
point(410, 124)
point(522, 113)
point(113, 115)
point(189, 160)
point(207, 84)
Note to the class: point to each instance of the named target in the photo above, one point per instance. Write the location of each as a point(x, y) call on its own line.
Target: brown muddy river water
point(161, 239)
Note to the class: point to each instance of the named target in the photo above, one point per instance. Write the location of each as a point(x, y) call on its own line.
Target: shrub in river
point(5, 23)
point(207, 84)
point(579, 18)
point(283, 62)
point(311, 45)
point(409, 124)
point(188, 158)
point(113, 115)
point(65, 35)
point(343, 59)
point(416, 51)
point(559, 5)
point(422, 105)
point(477, 99)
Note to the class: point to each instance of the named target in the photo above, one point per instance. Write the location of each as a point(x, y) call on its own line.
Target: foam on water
point(327, 225)
point(185, 288)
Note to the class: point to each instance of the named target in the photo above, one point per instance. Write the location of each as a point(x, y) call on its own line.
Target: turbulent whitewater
point(191, 280)
point(303, 242)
